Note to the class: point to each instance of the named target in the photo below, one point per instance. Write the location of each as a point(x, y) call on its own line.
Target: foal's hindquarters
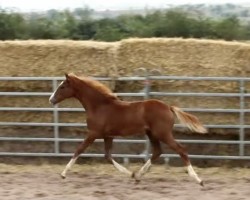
point(160, 121)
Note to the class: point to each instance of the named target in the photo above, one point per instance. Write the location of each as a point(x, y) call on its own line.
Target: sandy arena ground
point(103, 182)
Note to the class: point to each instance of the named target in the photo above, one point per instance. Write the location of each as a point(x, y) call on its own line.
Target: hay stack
point(53, 58)
point(190, 57)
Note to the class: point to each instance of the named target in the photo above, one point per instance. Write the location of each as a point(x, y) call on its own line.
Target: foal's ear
point(67, 76)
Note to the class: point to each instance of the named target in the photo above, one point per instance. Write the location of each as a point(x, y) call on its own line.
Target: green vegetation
point(81, 24)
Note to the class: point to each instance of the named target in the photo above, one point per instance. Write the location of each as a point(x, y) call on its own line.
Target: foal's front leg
point(81, 148)
point(108, 143)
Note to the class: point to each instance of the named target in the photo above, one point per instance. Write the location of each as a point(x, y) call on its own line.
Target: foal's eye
point(62, 87)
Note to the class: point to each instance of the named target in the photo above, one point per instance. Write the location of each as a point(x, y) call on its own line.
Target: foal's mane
point(96, 85)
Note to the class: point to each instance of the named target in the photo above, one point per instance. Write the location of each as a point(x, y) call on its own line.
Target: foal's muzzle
point(52, 100)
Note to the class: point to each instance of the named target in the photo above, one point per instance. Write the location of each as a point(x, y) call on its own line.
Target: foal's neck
point(92, 99)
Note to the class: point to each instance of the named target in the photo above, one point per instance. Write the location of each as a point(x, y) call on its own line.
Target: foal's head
point(64, 91)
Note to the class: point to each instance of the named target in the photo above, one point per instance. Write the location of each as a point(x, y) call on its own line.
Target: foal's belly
point(126, 129)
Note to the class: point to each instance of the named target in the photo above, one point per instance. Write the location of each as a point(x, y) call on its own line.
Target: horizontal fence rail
point(146, 93)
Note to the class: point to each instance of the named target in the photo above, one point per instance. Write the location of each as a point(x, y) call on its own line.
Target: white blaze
point(51, 99)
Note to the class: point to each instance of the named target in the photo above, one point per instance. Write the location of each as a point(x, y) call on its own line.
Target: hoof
point(137, 181)
point(202, 183)
point(63, 177)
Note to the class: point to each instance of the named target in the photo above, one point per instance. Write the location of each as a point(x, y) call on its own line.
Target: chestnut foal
point(107, 117)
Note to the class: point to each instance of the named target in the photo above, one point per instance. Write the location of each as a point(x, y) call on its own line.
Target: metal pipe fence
point(241, 126)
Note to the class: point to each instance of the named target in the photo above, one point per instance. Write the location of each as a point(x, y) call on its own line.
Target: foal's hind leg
point(156, 152)
point(108, 142)
point(178, 148)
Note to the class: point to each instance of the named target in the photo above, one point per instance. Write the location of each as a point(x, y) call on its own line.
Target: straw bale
point(55, 57)
point(190, 57)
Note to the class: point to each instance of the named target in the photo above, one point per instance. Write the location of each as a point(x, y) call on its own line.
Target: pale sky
point(34, 5)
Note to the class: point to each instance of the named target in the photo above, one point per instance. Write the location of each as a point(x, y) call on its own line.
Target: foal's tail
point(189, 120)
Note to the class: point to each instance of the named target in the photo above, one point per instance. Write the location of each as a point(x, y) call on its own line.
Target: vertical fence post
point(55, 120)
point(147, 88)
point(242, 119)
